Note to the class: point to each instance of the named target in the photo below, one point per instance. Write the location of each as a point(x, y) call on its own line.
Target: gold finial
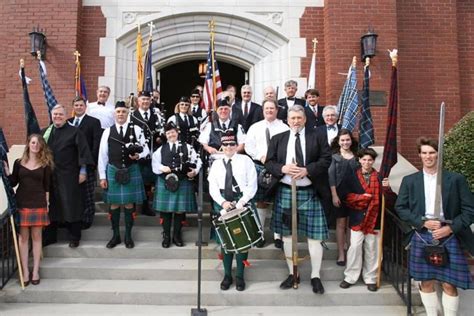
point(152, 26)
point(38, 55)
point(138, 25)
point(22, 63)
point(354, 61)
point(212, 25)
point(315, 41)
point(394, 56)
point(77, 55)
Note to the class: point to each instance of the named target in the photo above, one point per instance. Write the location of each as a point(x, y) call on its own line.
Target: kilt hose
point(89, 203)
point(455, 273)
point(33, 217)
point(311, 218)
point(132, 192)
point(183, 200)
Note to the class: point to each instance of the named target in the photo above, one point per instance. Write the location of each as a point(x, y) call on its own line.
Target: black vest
point(118, 155)
point(184, 134)
point(216, 133)
point(174, 161)
point(198, 115)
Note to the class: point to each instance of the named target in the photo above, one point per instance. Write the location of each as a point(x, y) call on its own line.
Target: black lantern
point(38, 42)
point(368, 44)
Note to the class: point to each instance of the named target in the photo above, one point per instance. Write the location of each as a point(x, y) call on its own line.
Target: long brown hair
point(45, 157)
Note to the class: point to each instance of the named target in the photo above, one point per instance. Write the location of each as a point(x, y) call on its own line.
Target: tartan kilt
point(132, 192)
point(456, 273)
point(33, 217)
point(89, 203)
point(311, 218)
point(147, 172)
point(183, 200)
point(260, 196)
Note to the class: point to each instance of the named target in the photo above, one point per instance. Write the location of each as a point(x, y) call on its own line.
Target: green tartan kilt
point(183, 200)
point(147, 172)
point(311, 218)
point(132, 192)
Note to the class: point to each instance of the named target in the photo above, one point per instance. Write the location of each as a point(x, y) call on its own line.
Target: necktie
point(246, 109)
point(291, 98)
point(76, 122)
point(121, 132)
point(173, 149)
point(224, 127)
point(298, 151)
point(195, 108)
point(267, 136)
point(228, 192)
point(146, 116)
point(100, 103)
point(186, 119)
point(315, 110)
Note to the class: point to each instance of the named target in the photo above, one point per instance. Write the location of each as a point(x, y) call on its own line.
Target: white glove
point(223, 212)
point(239, 204)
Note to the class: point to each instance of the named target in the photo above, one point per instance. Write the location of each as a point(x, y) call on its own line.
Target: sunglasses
point(225, 144)
point(195, 96)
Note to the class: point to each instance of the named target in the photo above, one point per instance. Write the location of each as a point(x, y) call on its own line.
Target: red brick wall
point(465, 20)
point(60, 21)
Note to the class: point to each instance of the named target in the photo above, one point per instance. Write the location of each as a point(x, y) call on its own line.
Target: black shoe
point(288, 283)
point(225, 284)
point(129, 243)
point(317, 285)
point(85, 225)
point(147, 211)
point(278, 243)
point(239, 284)
point(114, 242)
point(74, 244)
point(166, 241)
point(372, 287)
point(341, 263)
point(260, 244)
point(178, 241)
point(345, 285)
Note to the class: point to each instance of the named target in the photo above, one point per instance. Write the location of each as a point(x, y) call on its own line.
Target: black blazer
point(318, 158)
point(322, 130)
point(311, 120)
point(255, 114)
point(283, 107)
point(90, 127)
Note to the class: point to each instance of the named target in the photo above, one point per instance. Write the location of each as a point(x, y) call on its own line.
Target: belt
point(306, 187)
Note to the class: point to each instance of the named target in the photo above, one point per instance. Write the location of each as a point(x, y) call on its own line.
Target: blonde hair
point(45, 157)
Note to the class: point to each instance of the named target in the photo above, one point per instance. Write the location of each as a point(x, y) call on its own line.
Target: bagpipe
point(180, 168)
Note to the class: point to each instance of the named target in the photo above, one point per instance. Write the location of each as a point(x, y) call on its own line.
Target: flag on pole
point(140, 72)
point(80, 85)
point(312, 68)
point(348, 101)
point(48, 92)
point(212, 84)
point(6, 183)
point(148, 78)
point(366, 127)
point(31, 121)
point(390, 149)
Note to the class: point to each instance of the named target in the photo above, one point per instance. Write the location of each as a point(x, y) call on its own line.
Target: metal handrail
point(8, 264)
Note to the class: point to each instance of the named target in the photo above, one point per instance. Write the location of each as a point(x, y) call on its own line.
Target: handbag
point(436, 255)
point(172, 182)
point(122, 176)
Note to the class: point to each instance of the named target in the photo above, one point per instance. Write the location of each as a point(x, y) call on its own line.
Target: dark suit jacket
point(255, 114)
point(90, 127)
point(283, 107)
point(458, 204)
point(324, 132)
point(318, 158)
point(311, 120)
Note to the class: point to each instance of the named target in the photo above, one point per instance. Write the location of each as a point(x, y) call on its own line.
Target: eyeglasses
point(184, 104)
point(195, 96)
point(225, 144)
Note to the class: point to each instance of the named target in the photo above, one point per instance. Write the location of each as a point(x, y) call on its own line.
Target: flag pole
point(212, 25)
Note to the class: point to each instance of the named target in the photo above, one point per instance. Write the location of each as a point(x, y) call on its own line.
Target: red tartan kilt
point(33, 217)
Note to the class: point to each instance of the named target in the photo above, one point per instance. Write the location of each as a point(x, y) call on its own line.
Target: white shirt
point(104, 147)
point(256, 140)
point(244, 173)
point(172, 118)
point(332, 133)
point(156, 158)
point(290, 155)
point(290, 102)
point(104, 113)
point(194, 108)
point(205, 135)
point(78, 119)
point(429, 181)
point(142, 113)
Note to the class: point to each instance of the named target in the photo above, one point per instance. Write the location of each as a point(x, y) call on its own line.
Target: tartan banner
point(349, 101)
point(48, 91)
point(32, 126)
point(6, 182)
point(366, 125)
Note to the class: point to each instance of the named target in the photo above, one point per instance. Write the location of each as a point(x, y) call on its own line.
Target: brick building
point(270, 41)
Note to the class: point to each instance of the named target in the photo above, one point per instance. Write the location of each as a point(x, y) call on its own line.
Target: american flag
point(208, 93)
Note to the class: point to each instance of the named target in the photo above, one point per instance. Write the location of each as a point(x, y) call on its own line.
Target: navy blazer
point(311, 120)
point(283, 107)
point(458, 204)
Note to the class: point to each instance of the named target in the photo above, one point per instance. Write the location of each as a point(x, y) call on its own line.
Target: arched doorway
point(179, 79)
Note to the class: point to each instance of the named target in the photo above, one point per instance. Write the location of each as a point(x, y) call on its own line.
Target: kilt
point(132, 192)
point(456, 273)
point(260, 196)
point(183, 200)
point(88, 193)
point(33, 217)
point(311, 218)
point(147, 172)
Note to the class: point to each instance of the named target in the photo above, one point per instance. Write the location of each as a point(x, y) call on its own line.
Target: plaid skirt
point(311, 218)
point(33, 217)
point(132, 192)
point(183, 200)
point(456, 273)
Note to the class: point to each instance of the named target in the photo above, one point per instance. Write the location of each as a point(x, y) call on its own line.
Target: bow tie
point(100, 103)
point(291, 98)
point(331, 127)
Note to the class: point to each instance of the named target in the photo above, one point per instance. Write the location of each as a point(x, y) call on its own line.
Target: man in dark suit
point(291, 86)
point(330, 128)
point(416, 206)
point(314, 111)
point(90, 127)
point(303, 156)
point(250, 112)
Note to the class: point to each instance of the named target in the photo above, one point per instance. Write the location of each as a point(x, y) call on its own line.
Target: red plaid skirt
point(33, 217)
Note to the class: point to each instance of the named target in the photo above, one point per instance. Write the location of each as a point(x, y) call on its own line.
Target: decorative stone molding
point(274, 17)
point(131, 17)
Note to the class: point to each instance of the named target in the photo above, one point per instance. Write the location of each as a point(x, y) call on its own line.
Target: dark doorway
point(179, 79)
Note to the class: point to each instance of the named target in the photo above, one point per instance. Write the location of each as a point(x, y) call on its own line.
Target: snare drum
point(238, 230)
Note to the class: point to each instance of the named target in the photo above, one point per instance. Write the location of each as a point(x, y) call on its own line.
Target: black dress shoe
point(178, 241)
point(372, 287)
point(341, 263)
point(74, 244)
point(239, 284)
point(345, 285)
point(278, 243)
point(35, 282)
point(260, 244)
point(317, 285)
point(288, 283)
point(147, 211)
point(129, 243)
point(113, 242)
point(166, 241)
point(225, 284)
point(85, 225)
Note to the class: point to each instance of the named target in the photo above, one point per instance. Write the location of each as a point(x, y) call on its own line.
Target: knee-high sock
point(450, 304)
point(430, 302)
point(166, 223)
point(239, 258)
point(287, 249)
point(129, 220)
point(316, 254)
point(262, 214)
point(115, 221)
point(227, 262)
